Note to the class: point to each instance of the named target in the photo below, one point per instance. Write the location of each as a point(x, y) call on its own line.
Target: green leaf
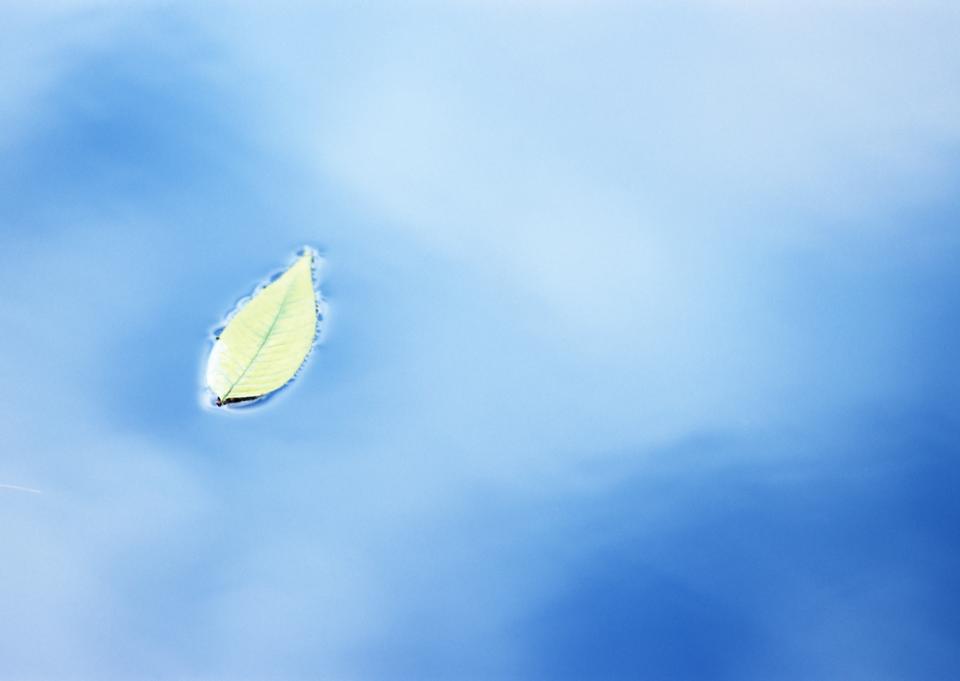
point(267, 340)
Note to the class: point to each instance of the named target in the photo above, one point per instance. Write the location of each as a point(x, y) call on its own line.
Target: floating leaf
point(267, 340)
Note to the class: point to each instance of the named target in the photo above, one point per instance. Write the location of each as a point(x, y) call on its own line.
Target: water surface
point(641, 358)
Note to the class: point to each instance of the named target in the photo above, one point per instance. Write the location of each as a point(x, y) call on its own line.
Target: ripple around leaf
point(265, 343)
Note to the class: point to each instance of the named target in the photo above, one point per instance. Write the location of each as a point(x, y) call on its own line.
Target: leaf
point(267, 340)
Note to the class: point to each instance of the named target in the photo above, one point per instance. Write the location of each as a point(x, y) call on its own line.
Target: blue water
point(641, 358)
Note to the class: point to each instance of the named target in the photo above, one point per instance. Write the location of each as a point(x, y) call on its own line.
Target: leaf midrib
point(266, 337)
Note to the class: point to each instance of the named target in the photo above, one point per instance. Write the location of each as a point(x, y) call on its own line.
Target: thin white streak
point(18, 488)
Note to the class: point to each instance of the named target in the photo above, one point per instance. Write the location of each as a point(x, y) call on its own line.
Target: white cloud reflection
point(618, 291)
